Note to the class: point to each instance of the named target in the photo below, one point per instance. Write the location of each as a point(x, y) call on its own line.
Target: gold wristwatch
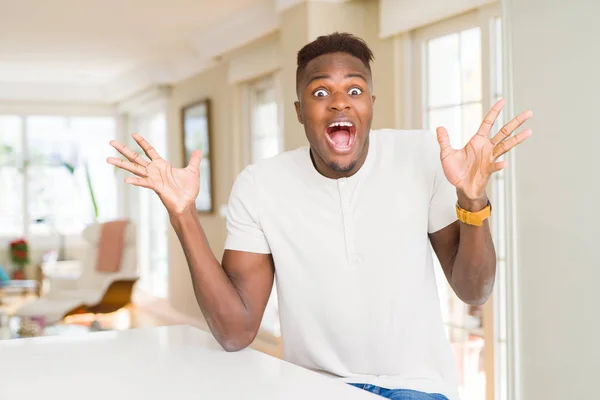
point(473, 218)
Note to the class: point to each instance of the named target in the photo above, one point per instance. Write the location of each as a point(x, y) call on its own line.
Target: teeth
point(343, 123)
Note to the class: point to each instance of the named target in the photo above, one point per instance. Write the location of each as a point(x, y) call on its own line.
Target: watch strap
point(473, 218)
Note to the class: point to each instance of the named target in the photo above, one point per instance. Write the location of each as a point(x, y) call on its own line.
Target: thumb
point(195, 159)
point(443, 139)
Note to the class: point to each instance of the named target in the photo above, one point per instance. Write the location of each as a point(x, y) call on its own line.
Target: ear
point(373, 98)
point(298, 111)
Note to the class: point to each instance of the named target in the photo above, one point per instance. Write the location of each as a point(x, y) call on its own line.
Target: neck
point(324, 169)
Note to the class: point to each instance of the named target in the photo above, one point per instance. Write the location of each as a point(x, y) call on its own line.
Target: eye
point(320, 93)
point(355, 91)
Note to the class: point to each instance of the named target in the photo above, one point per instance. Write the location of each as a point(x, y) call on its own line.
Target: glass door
point(264, 140)
point(457, 63)
point(149, 213)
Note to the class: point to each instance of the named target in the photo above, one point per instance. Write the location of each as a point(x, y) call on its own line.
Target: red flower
point(19, 251)
point(20, 254)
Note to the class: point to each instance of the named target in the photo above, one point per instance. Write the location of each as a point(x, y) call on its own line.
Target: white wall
point(555, 72)
point(399, 16)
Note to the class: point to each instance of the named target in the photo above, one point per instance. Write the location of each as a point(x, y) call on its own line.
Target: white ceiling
point(103, 51)
point(98, 43)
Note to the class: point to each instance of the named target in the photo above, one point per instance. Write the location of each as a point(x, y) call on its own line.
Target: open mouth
point(341, 136)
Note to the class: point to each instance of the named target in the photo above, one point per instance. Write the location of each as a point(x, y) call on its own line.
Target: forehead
point(334, 63)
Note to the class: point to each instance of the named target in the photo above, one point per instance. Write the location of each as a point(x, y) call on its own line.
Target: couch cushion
point(92, 234)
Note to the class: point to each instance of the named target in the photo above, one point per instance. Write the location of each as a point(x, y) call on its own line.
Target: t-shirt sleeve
point(244, 232)
point(442, 204)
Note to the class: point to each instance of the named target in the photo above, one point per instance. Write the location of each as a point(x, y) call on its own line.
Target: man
point(346, 224)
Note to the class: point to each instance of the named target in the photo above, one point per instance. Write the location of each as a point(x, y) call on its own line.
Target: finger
point(147, 147)
point(128, 166)
point(128, 153)
point(490, 119)
point(511, 126)
point(145, 183)
point(195, 159)
point(497, 166)
point(443, 140)
point(509, 143)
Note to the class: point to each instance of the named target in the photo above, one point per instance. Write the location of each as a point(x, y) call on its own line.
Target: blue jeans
point(399, 394)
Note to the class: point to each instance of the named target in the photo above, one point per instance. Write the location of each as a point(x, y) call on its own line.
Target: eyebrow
point(325, 76)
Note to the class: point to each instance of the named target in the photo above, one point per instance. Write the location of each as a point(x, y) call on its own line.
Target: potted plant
point(19, 255)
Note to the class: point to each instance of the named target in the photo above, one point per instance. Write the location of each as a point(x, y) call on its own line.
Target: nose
point(339, 102)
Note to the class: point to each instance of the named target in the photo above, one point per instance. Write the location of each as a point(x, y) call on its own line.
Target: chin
point(342, 166)
point(346, 160)
point(341, 146)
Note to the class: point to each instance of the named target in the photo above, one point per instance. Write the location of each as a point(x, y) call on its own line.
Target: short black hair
point(334, 43)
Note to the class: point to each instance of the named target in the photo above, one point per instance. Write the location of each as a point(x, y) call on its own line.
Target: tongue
point(340, 137)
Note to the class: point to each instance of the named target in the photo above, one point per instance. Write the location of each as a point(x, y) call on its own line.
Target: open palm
point(470, 168)
point(176, 187)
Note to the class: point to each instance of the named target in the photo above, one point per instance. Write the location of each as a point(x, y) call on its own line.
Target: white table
point(177, 362)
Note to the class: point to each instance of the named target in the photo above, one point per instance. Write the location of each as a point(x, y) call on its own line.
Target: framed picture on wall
point(196, 128)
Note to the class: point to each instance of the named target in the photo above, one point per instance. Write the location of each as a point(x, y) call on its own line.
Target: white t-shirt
point(353, 264)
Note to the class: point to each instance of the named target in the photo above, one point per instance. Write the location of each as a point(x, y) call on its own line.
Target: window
point(454, 84)
point(197, 136)
point(265, 135)
point(12, 212)
point(458, 63)
point(53, 174)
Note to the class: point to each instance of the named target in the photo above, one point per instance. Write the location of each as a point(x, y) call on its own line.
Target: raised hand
point(469, 169)
point(176, 187)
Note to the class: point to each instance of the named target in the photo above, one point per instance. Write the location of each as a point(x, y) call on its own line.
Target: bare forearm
point(219, 300)
point(474, 267)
